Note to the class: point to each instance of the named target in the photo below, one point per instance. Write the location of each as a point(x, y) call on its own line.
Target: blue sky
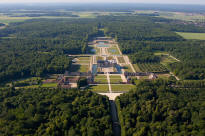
point(105, 1)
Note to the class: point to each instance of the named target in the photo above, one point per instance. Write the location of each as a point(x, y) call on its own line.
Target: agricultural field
point(152, 67)
point(175, 15)
point(122, 88)
point(192, 36)
point(99, 88)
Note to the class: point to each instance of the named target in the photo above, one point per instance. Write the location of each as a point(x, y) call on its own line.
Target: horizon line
point(100, 3)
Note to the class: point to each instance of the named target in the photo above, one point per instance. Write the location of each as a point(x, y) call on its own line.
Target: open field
point(121, 88)
point(175, 15)
point(152, 67)
point(6, 19)
point(194, 36)
point(99, 88)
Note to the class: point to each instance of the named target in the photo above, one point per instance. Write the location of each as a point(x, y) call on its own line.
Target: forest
point(155, 109)
point(40, 47)
point(45, 44)
point(34, 112)
point(141, 36)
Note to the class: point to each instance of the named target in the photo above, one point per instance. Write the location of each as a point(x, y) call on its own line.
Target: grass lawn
point(99, 58)
point(115, 80)
point(100, 76)
point(79, 68)
point(113, 51)
point(101, 80)
point(165, 58)
point(144, 77)
point(99, 88)
point(163, 76)
point(121, 59)
point(120, 88)
point(137, 69)
point(30, 86)
point(109, 58)
point(84, 58)
point(50, 85)
point(115, 76)
point(196, 36)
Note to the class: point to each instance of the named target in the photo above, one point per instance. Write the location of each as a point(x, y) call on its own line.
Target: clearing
point(192, 36)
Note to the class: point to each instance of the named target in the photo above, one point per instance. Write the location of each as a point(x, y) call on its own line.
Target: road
point(108, 81)
point(127, 60)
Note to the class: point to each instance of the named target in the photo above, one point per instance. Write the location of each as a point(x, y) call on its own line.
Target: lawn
point(101, 80)
point(79, 68)
point(99, 88)
point(110, 58)
point(50, 85)
point(100, 76)
point(163, 76)
point(121, 88)
point(121, 59)
point(196, 36)
point(113, 51)
point(99, 58)
point(115, 76)
point(165, 58)
point(83, 58)
point(30, 86)
point(115, 80)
